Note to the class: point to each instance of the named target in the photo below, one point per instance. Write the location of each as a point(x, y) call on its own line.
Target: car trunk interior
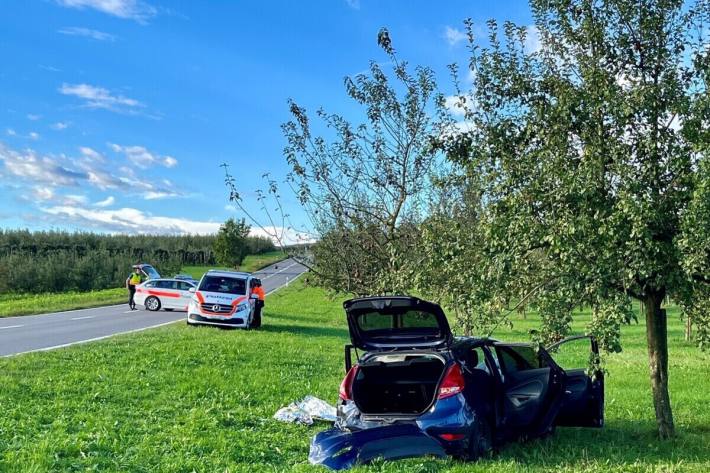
point(397, 383)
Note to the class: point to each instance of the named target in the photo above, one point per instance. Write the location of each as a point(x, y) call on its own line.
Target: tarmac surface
point(29, 333)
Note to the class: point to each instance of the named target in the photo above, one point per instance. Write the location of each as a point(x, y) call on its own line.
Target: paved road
point(59, 329)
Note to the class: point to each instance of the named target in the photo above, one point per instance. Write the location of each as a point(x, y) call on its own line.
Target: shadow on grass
point(308, 330)
point(620, 443)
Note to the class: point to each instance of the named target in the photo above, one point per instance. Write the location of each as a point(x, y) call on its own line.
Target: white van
point(223, 298)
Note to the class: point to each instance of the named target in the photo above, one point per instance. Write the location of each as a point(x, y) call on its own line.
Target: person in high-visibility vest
point(133, 280)
point(259, 292)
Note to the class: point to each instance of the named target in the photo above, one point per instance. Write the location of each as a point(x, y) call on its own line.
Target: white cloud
point(454, 105)
point(33, 117)
point(107, 202)
point(43, 193)
point(454, 36)
point(33, 135)
point(87, 33)
point(90, 169)
point(98, 97)
point(73, 199)
point(90, 153)
point(230, 208)
point(354, 4)
point(533, 41)
point(141, 157)
point(10, 132)
point(36, 169)
point(48, 68)
point(283, 235)
point(59, 126)
point(126, 9)
point(128, 220)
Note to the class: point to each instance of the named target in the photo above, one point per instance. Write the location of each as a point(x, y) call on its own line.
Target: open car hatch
point(391, 322)
point(340, 449)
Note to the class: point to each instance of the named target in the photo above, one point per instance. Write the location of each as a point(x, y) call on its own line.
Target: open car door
point(532, 389)
point(583, 403)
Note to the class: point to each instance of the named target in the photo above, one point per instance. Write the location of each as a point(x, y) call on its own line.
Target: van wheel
point(480, 443)
point(152, 304)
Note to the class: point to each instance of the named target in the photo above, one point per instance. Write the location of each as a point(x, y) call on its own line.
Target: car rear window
point(410, 319)
point(223, 284)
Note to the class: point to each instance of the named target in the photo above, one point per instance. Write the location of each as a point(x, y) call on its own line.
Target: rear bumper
point(194, 318)
point(339, 449)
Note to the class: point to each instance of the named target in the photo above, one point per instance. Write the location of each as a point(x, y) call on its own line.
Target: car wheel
point(480, 443)
point(152, 304)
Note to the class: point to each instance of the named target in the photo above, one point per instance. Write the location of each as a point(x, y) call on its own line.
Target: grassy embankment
point(24, 304)
point(181, 399)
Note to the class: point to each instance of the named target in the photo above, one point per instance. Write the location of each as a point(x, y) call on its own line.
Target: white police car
point(164, 293)
point(223, 298)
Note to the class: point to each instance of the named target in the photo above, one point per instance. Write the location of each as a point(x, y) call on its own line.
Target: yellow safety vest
point(135, 279)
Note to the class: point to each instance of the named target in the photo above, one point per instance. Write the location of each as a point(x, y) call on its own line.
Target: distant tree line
point(56, 261)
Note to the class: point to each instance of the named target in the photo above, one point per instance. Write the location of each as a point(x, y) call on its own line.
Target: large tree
point(587, 145)
point(231, 245)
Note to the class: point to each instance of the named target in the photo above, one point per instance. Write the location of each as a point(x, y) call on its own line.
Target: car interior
point(403, 385)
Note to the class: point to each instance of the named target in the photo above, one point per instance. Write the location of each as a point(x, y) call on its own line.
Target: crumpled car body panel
point(341, 449)
point(354, 440)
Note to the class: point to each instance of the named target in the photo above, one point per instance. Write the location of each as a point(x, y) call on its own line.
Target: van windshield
point(224, 285)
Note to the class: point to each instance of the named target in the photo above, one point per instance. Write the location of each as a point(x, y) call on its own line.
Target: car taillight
point(453, 382)
point(346, 387)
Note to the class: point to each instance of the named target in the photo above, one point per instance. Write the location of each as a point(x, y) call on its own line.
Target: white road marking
point(82, 318)
point(284, 285)
point(11, 326)
point(64, 345)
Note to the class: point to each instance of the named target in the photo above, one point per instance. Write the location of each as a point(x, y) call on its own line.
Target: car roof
point(191, 281)
point(229, 274)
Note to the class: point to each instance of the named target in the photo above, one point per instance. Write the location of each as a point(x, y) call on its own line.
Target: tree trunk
point(657, 338)
point(688, 328)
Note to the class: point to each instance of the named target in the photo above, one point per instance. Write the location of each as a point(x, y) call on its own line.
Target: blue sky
point(116, 114)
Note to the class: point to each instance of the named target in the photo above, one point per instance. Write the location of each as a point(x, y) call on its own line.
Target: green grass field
point(26, 304)
point(182, 399)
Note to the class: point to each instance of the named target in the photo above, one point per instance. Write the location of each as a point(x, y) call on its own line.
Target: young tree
point(589, 152)
point(230, 246)
point(361, 185)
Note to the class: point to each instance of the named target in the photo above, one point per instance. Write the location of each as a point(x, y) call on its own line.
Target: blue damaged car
point(417, 390)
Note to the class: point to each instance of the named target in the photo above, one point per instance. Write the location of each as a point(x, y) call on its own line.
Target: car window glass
point(224, 285)
point(149, 284)
point(408, 319)
point(165, 284)
point(519, 358)
point(476, 360)
point(183, 286)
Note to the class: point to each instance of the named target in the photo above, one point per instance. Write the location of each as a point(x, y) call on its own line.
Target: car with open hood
point(224, 298)
point(416, 390)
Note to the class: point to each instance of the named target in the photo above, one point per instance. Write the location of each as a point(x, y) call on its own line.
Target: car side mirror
point(192, 290)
